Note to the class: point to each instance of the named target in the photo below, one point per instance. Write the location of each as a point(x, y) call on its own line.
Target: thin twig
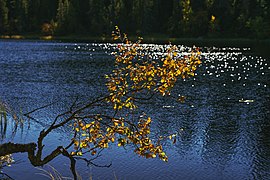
point(5, 174)
point(39, 108)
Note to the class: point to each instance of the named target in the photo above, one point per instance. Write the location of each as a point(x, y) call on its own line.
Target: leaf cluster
point(134, 77)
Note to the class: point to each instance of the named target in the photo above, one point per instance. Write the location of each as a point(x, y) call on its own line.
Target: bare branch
point(37, 109)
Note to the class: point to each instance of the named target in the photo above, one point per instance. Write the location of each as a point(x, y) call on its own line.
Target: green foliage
point(178, 18)
point(100, 15)
point(186, 11)
point(258, 27)
point(63, 12)
point(199, 22)
point(3, 16)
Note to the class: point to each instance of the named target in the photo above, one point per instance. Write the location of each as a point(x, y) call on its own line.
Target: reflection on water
point(223, 126)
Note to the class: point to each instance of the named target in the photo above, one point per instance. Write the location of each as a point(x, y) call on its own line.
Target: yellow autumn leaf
point(76, 143)
point(93, 152)
point(83, 145)
point(213, 18)
point(109, 129)
point(165, 159)
point(112, 139)
point(148, 120)
point(87, 126)
point(162, 154)
point(105, 145)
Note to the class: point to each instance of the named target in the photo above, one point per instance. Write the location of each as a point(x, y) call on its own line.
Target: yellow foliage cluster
point(134, 73)
point(92, 137)
point(6, 160)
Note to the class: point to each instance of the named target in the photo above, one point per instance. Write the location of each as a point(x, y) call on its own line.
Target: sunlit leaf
point(93, 152)
point(79, 153)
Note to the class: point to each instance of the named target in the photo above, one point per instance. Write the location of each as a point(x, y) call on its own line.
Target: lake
point(223, 127)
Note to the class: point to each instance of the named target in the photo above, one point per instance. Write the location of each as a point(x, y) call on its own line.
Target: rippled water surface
point(223, 127)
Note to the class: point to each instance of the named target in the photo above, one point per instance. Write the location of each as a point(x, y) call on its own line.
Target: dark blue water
point(223, 127)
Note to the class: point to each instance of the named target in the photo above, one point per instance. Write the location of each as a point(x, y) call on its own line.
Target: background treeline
point(177, 18)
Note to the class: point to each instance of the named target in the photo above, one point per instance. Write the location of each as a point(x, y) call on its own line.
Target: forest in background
point(174, 18)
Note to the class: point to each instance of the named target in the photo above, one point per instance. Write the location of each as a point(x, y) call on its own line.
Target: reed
point(9, 117)
point(51, 173)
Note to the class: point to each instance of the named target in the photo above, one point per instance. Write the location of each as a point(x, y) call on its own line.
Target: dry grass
point(46, 37)
point(16, 37)
point(5, 37)
point(11, 37)
point(51, 173)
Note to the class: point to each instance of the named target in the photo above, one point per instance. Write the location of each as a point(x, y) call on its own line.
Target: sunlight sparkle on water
point(229, 64)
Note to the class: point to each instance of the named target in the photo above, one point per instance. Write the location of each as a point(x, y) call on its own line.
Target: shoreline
point(146, 39)
point(257, 45)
